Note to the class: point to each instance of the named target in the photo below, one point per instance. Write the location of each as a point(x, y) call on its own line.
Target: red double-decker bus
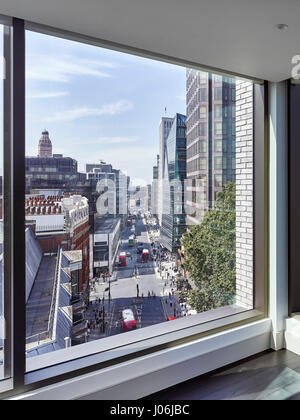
point(123, 259)
point(145, 255)
point(128, 320)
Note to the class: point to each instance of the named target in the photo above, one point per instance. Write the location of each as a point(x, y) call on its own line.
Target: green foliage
point(210, 254)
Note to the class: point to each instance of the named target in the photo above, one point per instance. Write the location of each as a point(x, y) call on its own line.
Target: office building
point(173, 224)
point(164, 129)
point(52, 171)
point(210, 139)
point(106, 243)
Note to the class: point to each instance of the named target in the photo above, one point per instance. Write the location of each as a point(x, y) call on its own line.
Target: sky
point(99, 104)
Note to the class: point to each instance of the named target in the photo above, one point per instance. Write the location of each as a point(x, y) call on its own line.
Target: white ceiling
point(235, 35)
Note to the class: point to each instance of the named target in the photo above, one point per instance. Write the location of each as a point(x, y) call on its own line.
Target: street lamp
point(103, 314)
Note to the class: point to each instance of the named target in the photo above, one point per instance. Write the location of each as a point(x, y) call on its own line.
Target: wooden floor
point(267, 376)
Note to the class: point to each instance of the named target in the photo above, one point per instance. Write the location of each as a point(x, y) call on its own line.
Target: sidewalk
point(96, 331)
point(171, 306)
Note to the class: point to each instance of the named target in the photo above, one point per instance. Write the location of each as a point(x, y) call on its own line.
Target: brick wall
point(244, 194)
point(80, 240)
point(49, 244)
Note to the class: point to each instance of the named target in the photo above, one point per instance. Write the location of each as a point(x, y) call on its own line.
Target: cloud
point(138, 181)
point(54, 69)
point(181, 97)
point(47, 95)
point(129, 157)
point(83, 112)
point(115, 140)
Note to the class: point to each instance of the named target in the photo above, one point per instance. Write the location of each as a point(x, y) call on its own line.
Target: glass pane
point(139, 206)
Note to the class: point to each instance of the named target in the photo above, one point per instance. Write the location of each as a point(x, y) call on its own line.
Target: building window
point(202, 164)
point(218, 111)
point(218, 128)
point(202, 94)
point(202, 146)
point(203, 77)
point(218, 164)
point(203, 112)
point(202, 129)
point(218, 78)
point(218, 146)
point(218, 180)
point(218, 93)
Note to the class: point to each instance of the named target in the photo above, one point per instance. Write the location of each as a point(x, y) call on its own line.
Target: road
point(148, 310)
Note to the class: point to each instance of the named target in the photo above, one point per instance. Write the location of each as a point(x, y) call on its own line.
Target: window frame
point(17, 190)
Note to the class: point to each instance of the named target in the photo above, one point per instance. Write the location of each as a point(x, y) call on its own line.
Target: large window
point(91, 146)
point(131, 238)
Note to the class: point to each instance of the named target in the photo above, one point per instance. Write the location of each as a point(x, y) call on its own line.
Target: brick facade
point(244, 194)
point(80, 240)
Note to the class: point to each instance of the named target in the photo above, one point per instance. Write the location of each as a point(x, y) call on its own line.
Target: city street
point(136, 279)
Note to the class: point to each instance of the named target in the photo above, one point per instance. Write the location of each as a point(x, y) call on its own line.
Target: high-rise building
point(114, 183)
point(45, 145)
point(101, 167)
point(210, 140)
point(164, 129)
point(154, 189)
point(173, 224)
point(155, 169)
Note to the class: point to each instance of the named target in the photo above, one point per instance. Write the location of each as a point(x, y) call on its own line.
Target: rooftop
point(39, 302)
point(73, 256)
point(105, 225)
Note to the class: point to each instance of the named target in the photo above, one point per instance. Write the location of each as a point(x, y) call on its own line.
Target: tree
point(210, 254)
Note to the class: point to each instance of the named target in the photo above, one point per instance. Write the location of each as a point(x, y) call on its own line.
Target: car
point(128, 254)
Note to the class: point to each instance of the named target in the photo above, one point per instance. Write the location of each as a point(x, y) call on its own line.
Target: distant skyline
point(99, 104)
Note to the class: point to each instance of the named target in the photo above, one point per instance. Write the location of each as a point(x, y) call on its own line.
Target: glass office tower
point(211, 134)
point(174, 158)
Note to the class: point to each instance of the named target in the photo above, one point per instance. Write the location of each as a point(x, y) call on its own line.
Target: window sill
point(148, 374)
point(112, 350)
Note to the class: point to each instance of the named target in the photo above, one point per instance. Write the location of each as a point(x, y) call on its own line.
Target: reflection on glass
point(133, 206)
